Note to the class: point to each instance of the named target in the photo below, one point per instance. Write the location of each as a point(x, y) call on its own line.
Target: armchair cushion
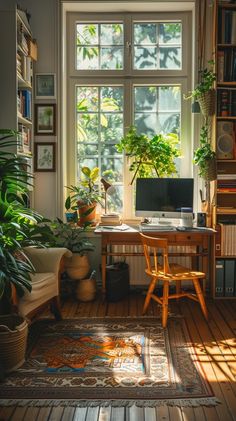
point(45, 281)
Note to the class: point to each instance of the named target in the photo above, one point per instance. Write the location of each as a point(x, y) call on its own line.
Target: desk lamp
point(109, 190)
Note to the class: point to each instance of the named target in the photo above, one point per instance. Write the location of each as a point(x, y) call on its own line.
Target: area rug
point(119, 362)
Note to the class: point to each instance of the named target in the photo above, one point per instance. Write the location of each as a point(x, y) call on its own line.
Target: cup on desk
point(186, 217)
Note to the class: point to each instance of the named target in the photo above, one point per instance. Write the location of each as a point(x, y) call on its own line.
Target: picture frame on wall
point(45, 119)
point(45, 157)
point(45, 86)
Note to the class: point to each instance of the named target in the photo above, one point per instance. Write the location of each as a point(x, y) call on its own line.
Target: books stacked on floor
point(110, 219)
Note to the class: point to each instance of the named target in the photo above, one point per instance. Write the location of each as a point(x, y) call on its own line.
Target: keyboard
point(154, 227)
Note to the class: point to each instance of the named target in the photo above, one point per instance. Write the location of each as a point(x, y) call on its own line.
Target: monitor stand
point(161, 221)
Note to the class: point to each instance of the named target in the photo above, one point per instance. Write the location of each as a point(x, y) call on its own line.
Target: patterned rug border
point(116, 402)
point(195, 402)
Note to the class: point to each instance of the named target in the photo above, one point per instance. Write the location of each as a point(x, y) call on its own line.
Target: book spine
point(220, 65)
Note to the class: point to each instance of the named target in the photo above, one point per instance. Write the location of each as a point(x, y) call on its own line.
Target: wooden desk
point(202, 240)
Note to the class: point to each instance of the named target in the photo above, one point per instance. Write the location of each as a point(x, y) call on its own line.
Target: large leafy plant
point(18, 224)
point(150, 156)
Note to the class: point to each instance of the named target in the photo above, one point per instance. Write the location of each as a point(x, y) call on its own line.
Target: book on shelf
point(226, 176)
point(226, 26)
point(226, 102)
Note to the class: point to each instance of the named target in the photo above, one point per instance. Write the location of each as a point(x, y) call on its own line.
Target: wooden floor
point(216, 347)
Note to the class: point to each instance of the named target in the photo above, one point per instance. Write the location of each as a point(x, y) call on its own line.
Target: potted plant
point(205, 157)
point(150, 156)
point(204, 91)
point(18, 228)
point(86, 196)
point(75, 240)
point(71, 215)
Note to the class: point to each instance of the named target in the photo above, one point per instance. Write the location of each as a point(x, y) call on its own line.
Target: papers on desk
point(122, 227)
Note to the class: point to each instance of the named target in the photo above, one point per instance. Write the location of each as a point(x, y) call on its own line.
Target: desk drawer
point(189, 238)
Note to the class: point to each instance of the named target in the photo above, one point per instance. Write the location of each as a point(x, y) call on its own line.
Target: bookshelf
point(18, 51)
point(224, 285)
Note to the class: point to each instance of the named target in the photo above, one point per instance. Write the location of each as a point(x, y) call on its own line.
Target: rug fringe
point(211, 401)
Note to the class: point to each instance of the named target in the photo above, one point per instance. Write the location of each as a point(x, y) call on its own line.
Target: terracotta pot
point(77, 266)
point(87, 213)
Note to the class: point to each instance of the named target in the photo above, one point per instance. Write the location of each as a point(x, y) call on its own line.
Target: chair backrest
point(156, 253)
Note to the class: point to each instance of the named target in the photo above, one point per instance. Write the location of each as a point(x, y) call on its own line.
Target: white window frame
point(127, 77)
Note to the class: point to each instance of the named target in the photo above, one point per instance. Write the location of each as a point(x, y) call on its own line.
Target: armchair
point(45, 281)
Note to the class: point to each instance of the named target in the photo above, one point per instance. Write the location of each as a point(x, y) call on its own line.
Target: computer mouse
point(181, 228)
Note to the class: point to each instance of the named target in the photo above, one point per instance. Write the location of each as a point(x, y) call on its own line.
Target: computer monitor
point(163, 197)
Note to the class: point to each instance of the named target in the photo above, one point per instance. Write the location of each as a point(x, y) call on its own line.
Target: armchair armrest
point(46, 259)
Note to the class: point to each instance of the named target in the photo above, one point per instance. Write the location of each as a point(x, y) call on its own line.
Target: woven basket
point(207, 102)
point(13, 340)
point(211, 172)
point(86, 290)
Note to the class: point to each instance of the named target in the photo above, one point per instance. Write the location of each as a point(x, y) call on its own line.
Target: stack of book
point(110, 219)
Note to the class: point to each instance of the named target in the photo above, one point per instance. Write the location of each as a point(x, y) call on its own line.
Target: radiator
point(137, 263)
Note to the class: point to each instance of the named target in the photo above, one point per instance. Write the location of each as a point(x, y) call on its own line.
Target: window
point(125, 70)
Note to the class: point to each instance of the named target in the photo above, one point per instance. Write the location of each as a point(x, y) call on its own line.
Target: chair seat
point(177, 273)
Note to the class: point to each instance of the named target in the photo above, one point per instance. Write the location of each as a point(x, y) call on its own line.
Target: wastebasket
point(117, 281)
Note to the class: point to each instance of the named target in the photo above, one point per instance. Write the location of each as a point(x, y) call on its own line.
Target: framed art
point(45, 119)
point(45, 85)
point(45, 157)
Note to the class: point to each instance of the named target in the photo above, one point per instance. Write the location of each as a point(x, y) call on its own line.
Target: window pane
point(114, 165)
point(145, 33)
point(157, 109)
point(87, 98)
point(170, 58)
point(99, 46)
point(112, 34)
point(111, 127)
point(112, 98)
point(87, 34)
point(115, 202)
point(87, 127)
point(108, 149)
point(170, 33)
point(87, 58)
point(84, 150)
point(145, 58)
point(157, 46)
point(145, 98)
point(112, 58)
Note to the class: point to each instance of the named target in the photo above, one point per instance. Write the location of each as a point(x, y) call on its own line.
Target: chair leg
point(200, 297)
point(178, 288)
point(165, 303)
point(149, 293)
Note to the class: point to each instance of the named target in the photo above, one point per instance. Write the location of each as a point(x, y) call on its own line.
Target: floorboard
point(215, 346)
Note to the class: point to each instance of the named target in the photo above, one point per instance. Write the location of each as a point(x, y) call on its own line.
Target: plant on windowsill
point(85, 196)
point(204, 91)
point(151, 157)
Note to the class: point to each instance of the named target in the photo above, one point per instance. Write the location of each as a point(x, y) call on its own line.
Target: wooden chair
point(159, 269)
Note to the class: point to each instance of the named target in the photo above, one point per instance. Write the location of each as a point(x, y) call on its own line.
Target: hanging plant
point(205, 157)
point(151, 157)
point(204, 92)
